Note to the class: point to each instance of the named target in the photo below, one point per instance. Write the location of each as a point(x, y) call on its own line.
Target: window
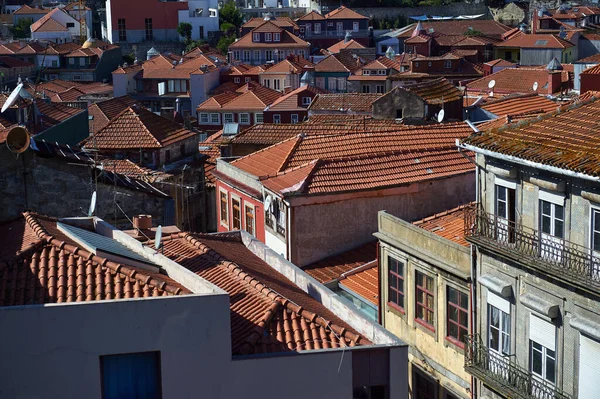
point(276, 37)
point(244, 118)
point(276, 118)
point(301, 53)
point(70, 24)
point(236, 80)
point(182, 150)
point(396, 283)
point(276, 84)
point(71, 61)
point(201, 33)
point(256, 37)
point(236, 55)
point(269, 55)
point(246, 54)
point(54, 64)
point(399, 113)
point(340, 27)
point(317, 29)
point(366, 72)
point(148, 26)
point(82, 61)
point(458, 316)
point(246, 80)
point(307, 100)
point(429, 64)
point(505, 210)
point(132, 375)
point(507, 55)
point(307, 28)
point(250, 219)
point(267, 37)
point(416, 64)
point(236, 214)
point(381, 72)
point(447, 64)
point(354, 26)
point(258, 117)
point(499, 324)
point(542, 348)
point(224, 208)
point(228, 118)
point(294, 118)
point(76, 77)
point(320, 82)
point(204, 118)
point(552, 227)
point(595, 235)
point(122, 30)
point(380, 89)
point(256, 55)
point(215, 118)
point(425, 297)
point(366, 89)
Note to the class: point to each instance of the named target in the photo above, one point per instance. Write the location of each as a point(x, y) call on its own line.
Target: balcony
point(503, 375)
point(552, 256)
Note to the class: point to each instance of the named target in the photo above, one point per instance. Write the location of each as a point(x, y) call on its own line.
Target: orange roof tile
point(357, 102)
point(291, 100)
point(34, 253)
point(331, 64)
point(256, 99)
point(449, 224)
point(435, 91)
point(279, 21)
point(333, 267)
point(364, 282)
point(519, 104)
point(287, 39)
point(25, 9)
point(311, 16)
point(53, 25)
point(500, 63)
point(104, 111)
point(568, 139)
point(595, 70)
point(290, 65)
point(269, 313)
point(524, 40)
point(342, 44)
point(488, 28)
point(136, 128)
point(344, 12)
point(515, 80)
point(592, 59)
point(217, 102)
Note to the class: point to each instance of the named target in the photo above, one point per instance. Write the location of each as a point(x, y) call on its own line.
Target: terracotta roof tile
point(331, 64)
point(435, 91)
point(488, 28)
point(500, 63)
point(268, 312)
point(279, 21)
point(256, 99)
point(364, 282)
point(25, 9)
point(568, 139)
point(39, 264)
point(344, 12)
point(595, 70)
point(515, 80)
point(292, 100)
point(342, 44)
point(290, 65)
point(311, 16)
point(449, 224)
point(333, 267)
point(357, 102)
point(48, 24)
point(137, 128)
point(519, 104)
point(287, 39)
point(592, 59)
point(217, 102)
point(524, 40)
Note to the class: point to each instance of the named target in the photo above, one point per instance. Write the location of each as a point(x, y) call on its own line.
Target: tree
point(192, 44)
point(224, 43)
point(22, 29)
point(230, 15)
point(185, 30)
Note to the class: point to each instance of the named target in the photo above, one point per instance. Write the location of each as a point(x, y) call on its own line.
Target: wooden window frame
point(399, 284)
point(419, 288)
point(250, 225)
point(456, 340)
point(239, 210)
point(224, 211)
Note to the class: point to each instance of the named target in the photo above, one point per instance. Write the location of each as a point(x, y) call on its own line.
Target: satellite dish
point(268, 202)
point(92, 205)
point(440, 117)
point(17, 139)
point(492, 84)
point(12, 98)
point(535, 86)
point(158, 237)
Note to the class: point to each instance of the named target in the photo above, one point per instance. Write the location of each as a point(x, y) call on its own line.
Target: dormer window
point(256, 37)
point(276, 37)
point(448, 64)
point(381, 72)
point(267, 37)
point(366, 72)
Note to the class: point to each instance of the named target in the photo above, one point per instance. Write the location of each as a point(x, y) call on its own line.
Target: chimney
point(348, 36)
point(554, 82)
point(535, 21)
point(142, 224)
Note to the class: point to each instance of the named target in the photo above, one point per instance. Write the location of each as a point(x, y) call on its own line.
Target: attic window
point(276, 37)
point(541, 42)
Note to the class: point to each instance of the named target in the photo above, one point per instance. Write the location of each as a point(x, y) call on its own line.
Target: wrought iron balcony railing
point(551, 255)
point(502, 374)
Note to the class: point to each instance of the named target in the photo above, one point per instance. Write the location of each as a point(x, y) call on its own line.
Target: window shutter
point(498, 302)
point(589, 368)
point(542, 332)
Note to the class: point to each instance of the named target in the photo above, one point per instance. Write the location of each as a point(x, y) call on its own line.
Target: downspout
point(289, 231)
point(379, 307)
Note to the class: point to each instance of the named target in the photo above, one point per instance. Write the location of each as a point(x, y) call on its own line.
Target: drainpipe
point(379, 312)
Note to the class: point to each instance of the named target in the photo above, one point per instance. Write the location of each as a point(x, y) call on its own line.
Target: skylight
point(541, 42)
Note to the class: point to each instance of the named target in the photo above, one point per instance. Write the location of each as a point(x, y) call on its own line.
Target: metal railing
point(525, 245)
point(501, 373)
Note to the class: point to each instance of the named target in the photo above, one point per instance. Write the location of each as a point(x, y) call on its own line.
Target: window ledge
point(394, 308)
point(457, 345)
point(425, 326)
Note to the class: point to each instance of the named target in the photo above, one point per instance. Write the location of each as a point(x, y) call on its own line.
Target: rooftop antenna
point(535, 86)
point(440, 117)
point(158, 237)
point(12, 98)
point(491, 87)
point(92, 205)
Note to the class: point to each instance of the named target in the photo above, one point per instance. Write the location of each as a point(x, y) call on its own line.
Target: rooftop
point(567, 139)
point(516, 80)
point(357, 102)
point(435, 91)
point(524, 40)
point(291, 100)
point(595, 70)
point(333, 267)
point(287, 39)
point(343, 44)
point(449, 224)
point(102, 112)
point(488, 28)
point(364, 282)
point(269, 313)
point(344, 12)
point(518, 104)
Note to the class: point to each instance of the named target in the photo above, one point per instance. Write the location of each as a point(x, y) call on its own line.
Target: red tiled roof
point(342, 44)
point(524, 40)
point(515, 80)
point(592, 59)
point(279, 21)
point(269, 313)
point(53, 114)
point(48, 24)
point(344, 12)
point(519, 104)
point(217, 102)
point(11, 62)
point(136, 128)
point(331, 64)
point(357, 102)
point(364, 282)
point(488, 28)
point(449, 224)
point(333, 267)
point(25, 9)
point(588, 95)
point(287, 39)
point(435, 91)
point(39, 264)
point(595, 70)
point(104, 111)
point(568, 139)
point(255, 99)
point(311, 16)
point(291, 101)
point(500, 63)
point(289, 65)
point(212, 152)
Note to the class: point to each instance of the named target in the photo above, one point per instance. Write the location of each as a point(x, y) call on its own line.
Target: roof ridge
point(298, 138)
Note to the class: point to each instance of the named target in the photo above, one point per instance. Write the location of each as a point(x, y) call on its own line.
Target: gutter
point(524, 162)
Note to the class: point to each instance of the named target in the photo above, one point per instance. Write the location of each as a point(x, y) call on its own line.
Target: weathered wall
point(321, 230)
point(411, 105)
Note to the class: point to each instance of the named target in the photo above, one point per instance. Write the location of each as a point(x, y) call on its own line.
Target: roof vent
point(430, 30)
point(348, 36)
point(152, 53)
point(554, 65)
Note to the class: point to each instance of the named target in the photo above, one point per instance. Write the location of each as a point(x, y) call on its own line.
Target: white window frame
point(547, 344)
point(317, 29)
point(268, 37)
point(593, 228)
point(236, 80)
point(256, 37)
point(246, 55)
point(504, 330)
point(236, 54)
point(380, 89)
point(294, 118)
point(242, 116)
point(276, 37)
point(204, 118)
point(447, 64)
point(355, 26)
point(258, 117)
point(366, 89)
point(366, 72)
point(269, 55)
point(237, 198)
point(381, 72)
point(215, 118)
point(301, 53)
point(276, 84)
point(339, 27)
point(256, 55)
point(276, 118)
point(228, 117)
point(71, 61)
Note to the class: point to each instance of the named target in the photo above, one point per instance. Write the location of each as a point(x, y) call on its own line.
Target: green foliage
point(185, 30)
point(224, 43)
point(192, 44)
point(230, 15)
point(22, 29)
point(228, 28)
point(389, 23)
point(472, 32)
point(129, 58)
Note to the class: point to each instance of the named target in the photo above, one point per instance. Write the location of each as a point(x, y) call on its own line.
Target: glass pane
point(392, 264)
point(502, 209)
point(558, 212)
point(546, 208)
point(494, 339)
point(536, 361)
point(506, 343)
point(400, 267)
point(462, 332)
point(452, 295)
point(501, 193)
point(596, 220)
point(596, 241)
point(558, 228)
point(453, 313)
point(550, 368)
point(430, 302)
point(494, 317)
point(536, 346)
point(452, 330)
point(464, 319)
point(546, 224)
point(419, 311)
point(392, 296)
point(400, 300)
point(464, 301)
point(505, 323)
point(429, 284)
point(393, 281)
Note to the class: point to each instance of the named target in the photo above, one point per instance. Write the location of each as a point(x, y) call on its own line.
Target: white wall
point(123, 83)
point(201, 85)
point(59, 37)
point(577, 69)
point(210, 24)
point(276, 243)
point(47, 60)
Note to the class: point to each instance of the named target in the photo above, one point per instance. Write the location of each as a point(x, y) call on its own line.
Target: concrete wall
point(324, 228)
point(55, 350)
point(577, 69)
point(411, 105)
point(200, 87)
point(544, 56)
